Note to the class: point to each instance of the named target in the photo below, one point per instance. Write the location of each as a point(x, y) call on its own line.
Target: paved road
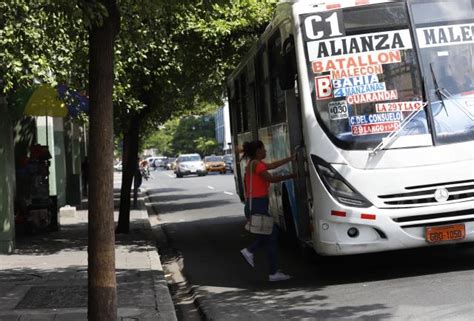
point(203, 219)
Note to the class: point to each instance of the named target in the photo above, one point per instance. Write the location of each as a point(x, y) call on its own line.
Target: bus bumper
point(346, 231)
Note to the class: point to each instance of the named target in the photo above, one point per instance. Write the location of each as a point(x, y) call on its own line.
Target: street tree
point(194, 134)
point(185, 134)
point(146, 73)
point(187, 48)
point(102, 303)
point(48, 41)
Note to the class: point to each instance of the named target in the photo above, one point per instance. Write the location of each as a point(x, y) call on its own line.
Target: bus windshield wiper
point(438, 90)
point(391, 136)
point(444, 93)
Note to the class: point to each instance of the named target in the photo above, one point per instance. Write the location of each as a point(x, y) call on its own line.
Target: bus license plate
point(436, 234)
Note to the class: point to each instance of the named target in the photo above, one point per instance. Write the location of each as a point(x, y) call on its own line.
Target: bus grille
point(435, 219)
point(424, 195)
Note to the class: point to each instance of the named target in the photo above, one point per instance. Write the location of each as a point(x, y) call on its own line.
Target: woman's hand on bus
point(275, 178)
point(288, 176)
point(281, 162)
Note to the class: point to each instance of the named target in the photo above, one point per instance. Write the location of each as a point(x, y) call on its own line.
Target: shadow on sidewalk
point(57, 288)
point(74, 238)
point(69, 238)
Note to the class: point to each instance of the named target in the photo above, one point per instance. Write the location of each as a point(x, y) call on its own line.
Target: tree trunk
point(130, 165)
point(102, 299)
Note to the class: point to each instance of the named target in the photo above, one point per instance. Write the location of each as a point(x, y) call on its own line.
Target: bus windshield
point(445, 33)
point(364, 76)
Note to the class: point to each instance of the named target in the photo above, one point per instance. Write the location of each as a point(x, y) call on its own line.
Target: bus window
point(231, 101)
point(237, 106)
point(277, 95)
point(263, 113)
point(243, 102)
point(251, 104)
point(287, 68)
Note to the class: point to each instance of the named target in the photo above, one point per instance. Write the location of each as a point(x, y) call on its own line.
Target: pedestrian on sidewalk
point(85, 175)
point(137, 182)
point(258, 177)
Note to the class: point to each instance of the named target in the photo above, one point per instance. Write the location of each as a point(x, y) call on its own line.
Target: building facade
point(222, 120)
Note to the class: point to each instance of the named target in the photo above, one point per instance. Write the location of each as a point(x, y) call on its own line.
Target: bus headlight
point(337, 186)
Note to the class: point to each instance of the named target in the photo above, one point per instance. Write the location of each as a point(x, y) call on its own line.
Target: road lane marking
point(210, 187)
point(228, 193)
point(170, 175)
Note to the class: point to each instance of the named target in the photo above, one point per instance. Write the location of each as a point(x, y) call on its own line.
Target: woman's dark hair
point(250, 149)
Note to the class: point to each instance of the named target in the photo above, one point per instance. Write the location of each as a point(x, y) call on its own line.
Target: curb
point(162, 240)
point(163, 300)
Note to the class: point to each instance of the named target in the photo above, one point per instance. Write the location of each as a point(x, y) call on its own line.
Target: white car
point(188, 164)
point(160, 161)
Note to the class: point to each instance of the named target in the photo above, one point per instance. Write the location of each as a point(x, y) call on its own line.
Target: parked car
point(229, 163)
point(188, 164)
point(214, 163)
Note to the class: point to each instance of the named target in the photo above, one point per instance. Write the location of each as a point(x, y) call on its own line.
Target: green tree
point(189, 134)
point(183, 50)
point(161, 140)
point(206, 146)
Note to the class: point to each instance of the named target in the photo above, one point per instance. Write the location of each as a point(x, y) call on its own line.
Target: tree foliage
point(42, 41)
point(214, 36)
point(204, 42)
point(171, 56)
point(174, 56)
point(191, 134)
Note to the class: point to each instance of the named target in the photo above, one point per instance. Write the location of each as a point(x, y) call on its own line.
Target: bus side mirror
point(287, 65)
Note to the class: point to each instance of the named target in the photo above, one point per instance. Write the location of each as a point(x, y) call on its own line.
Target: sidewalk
point(46, 277)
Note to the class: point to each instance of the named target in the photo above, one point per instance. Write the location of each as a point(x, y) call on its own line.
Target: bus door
point(288, 83)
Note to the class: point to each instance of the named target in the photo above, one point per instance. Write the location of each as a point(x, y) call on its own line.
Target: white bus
point(376, 98)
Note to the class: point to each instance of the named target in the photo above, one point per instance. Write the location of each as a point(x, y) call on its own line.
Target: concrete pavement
point(46, 277)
